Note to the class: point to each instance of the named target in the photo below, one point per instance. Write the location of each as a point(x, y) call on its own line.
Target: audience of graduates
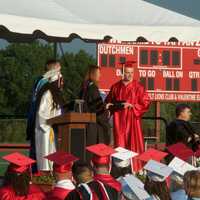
point(108, 176)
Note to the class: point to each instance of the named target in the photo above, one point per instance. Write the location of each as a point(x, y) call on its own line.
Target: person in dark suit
point(181, 130)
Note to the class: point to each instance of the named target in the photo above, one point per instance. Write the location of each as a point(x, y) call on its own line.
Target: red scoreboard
point(170, 71)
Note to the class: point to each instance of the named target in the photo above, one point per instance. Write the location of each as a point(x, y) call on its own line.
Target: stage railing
point(154, 135)
point(6, 145)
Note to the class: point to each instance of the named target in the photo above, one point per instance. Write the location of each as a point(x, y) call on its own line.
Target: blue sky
point(189, 8)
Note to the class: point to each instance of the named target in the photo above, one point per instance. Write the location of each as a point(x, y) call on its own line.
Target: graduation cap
point(122, 157)
point(19, 163)
point(157, 171)
point(62, 161)
point(128, 63)
point(180, 166)
point(101, 153)
point(152, 154)
point(137, 187)
point(180, 150)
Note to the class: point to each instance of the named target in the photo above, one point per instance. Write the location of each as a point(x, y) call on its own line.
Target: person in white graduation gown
point(49, 104)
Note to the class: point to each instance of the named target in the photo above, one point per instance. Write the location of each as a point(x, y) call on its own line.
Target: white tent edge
point(56, 30)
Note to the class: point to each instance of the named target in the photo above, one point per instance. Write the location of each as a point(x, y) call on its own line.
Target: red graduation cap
point(101, 153)
point(19, 163)
point(128, 63)
point(180, 150)
point(152, 154)
point(62, 161)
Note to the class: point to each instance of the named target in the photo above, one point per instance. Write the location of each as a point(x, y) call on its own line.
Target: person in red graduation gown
point(87, 187)
point(33, 193)
point(17, 180)
point(102, 164)
point(129, 101)
point(62, 171)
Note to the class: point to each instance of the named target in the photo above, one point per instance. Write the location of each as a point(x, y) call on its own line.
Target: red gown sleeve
point(58, 193)
point(109, 180)
point(36, 196)
point(111, 98)
point(35, 193)
point(142, 102)
point(34, 188)
point(6, 194)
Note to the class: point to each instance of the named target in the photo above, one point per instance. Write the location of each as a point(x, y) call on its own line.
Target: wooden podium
point(71, 132)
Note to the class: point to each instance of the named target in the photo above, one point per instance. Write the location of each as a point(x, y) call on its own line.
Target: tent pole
point(55, 49)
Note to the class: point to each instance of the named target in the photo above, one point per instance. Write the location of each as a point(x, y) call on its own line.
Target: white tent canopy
point(93, 19)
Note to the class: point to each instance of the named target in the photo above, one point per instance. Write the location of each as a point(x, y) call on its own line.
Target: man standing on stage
point(51, 64)
point(130, 102)
point(40, 81)
point(180, 129)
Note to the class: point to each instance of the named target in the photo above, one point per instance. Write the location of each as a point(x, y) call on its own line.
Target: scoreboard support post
point(157, 122)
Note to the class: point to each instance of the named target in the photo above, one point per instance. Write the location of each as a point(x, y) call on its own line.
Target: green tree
point(74, 67)
point(20, 65)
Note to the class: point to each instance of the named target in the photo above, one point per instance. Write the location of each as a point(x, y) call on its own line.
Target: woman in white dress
point(49, 103)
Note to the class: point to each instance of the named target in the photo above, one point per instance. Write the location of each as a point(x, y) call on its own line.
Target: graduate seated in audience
point(180, 167)
point(62, 171)
point(192, 184)
point(17, 180)
point(132, 187)
point(121, 162)
point(101, 162)
point(158, 189)
point(151, 154)
point(183, 152)
point(155, 183)
point(87, 187)
point(177, 187)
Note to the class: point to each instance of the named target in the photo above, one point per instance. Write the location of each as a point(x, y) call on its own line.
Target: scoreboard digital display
point(169, 71)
